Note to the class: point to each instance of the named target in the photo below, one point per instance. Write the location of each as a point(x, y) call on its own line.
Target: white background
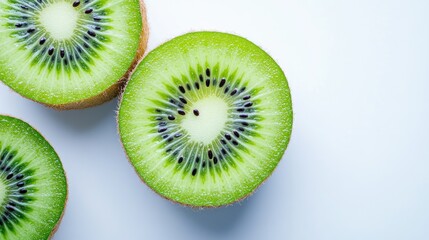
point(357, 166)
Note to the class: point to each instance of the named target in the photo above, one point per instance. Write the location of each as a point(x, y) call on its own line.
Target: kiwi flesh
point(33, 185)
point(206, 118)
point(70, 54)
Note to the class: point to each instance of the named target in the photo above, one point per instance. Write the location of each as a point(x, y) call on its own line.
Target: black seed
point(204, 164)
point(20, 184)
point(181, 112)
point(19, 25)
point(171, 117)
point(241, 129)
point(65, 62)
point(86, 37)
point(208, 82)
point(196, 112)
point(176, 152)
point(165, 136)
point(249, 104)
point(158, 118)
point(247, 97)
point(188, 86)
point(194, 172)
point(23, 191)
point(97, 19)
point(12, 204)
point(180, 105)
point(240, 110)
point(197, 85)
point(215, 160)
point(76, 3)
point(226, 90)
point(24, 7)
point(234, 142)
point(162, 124)
point(227, 136)
point(201, 78)
point(244, 116)
point(30, 30)
point(177, 135)
point(10, 208)
point(91, 33)
point(170, 139)
point(245, 124)
point(7, 169)
point(161, 130)
point(88, 11)
point(42, 41)
point(157, 110)
point(242, 89)
point(182, 89)
point(197, 160)
point(180, 160)
point(62, 53)
point(223, 151)
point(208, 72)
point(183, 100)
point(97, 28)
point(236, 134)
point(222, 82)
point(9, 176)
point(172, 101)
point(168, 150)
point(210, 153)
point(223, 141)
point(19, 176)
point(233, 92)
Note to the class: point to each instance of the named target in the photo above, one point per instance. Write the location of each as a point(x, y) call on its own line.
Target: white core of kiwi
point(59, 19)
point(207, 119)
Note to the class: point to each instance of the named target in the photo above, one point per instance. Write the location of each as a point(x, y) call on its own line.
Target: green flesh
point(33, 188)
point(57, 53)
point(226, 149)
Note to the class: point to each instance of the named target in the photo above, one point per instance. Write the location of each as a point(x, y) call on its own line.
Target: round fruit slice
point(33, 187)
point(70, 54)
point(206, 118)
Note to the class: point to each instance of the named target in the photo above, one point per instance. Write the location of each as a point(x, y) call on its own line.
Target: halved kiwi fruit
point(70, 54)
point(33, 186)
point(206, 118)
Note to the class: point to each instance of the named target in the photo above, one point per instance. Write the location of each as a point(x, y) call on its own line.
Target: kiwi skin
point(115, 89)
point(189, 205)
point(54, 230)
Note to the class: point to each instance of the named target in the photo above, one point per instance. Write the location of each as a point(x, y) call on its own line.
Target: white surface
point(356, 167)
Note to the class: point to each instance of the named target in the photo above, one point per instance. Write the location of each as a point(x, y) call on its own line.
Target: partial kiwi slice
point(33, 187)
point(70, 54)
point(206, 118)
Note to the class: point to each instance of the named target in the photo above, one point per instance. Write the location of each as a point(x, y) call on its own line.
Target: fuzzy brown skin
point(113, 90)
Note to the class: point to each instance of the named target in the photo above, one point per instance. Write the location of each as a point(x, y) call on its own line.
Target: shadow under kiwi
point(219, 222)
point(83, 119)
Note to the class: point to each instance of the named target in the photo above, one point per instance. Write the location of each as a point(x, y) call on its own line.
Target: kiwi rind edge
point(115, 89)
point(181, 203)
point(54, 230)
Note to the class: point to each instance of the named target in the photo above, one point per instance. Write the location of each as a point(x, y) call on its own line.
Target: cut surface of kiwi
point(33, 186)
point(70, 53)
point(206, 118)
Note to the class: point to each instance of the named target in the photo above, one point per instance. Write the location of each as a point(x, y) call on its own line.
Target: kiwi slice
point(33, 186)
point(70, 54)
point(206, 118)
